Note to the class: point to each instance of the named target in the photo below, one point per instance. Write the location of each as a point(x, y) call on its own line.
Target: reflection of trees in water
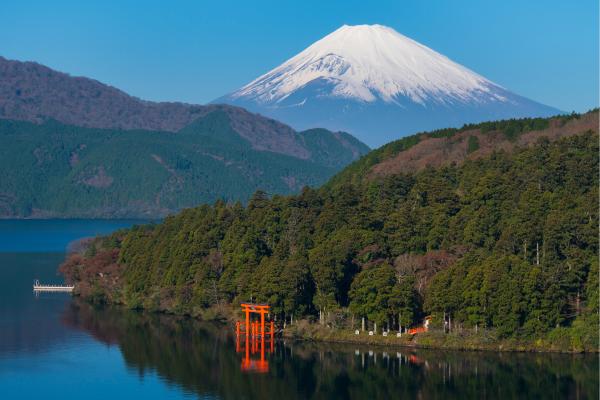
point(29, 323)
point(201, 358)
point(34, 329)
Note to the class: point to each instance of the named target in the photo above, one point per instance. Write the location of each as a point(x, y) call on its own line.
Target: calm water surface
point(52, 346)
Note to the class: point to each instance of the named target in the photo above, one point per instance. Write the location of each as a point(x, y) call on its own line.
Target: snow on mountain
point(369, 63)
point(379, 85)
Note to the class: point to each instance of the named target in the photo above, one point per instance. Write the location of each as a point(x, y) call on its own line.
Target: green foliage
point(507, 243)
point(53, 169)
point(326, 150)
point(472, 144)
point(372, 292)
point(512, 128)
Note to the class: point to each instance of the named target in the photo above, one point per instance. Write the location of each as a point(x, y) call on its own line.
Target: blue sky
point(195, 51)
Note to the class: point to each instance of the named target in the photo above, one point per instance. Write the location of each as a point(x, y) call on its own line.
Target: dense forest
point(505, 243)
point(66, 171)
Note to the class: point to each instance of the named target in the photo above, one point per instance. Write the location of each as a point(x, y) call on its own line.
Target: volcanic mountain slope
point(74, 147)
point(379, 85)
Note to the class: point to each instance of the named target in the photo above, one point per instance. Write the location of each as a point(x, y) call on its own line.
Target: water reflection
point(253, 335)
point(254, 346)
point(28, 322)
point(202, 359)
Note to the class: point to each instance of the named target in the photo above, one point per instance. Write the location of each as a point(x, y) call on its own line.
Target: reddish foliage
point(425, 266)
point(436, 152)
point(99, 273)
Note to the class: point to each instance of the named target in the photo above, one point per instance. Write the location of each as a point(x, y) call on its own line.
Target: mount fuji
point(378, 85)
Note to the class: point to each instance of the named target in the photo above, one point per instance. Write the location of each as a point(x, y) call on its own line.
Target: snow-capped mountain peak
point(379, 85)
point(370, 62)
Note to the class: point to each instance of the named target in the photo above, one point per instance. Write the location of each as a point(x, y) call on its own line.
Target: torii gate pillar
point(261, 309)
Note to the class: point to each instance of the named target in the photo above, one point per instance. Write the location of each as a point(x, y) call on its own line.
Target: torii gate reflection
point(254, 335)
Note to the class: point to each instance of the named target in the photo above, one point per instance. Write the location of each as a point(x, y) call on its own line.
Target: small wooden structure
point(38, 287)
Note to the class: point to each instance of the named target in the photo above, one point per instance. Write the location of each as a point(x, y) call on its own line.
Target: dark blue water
point(56, 347)
point(35, 236)
point(42, 356)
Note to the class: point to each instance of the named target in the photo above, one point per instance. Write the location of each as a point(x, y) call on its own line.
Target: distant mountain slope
point(33, 92)
point(455, 146)
point(379, 85)
point(57, 170)
point(74, 147)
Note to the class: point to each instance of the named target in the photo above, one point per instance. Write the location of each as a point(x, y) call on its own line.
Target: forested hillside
point(57, 170)
point(35, 93)
point(506, 242)
point(456, 145)
point(75, 147)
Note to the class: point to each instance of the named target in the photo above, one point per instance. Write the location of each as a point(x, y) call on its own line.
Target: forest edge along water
point(500, 251)
point(69, 346)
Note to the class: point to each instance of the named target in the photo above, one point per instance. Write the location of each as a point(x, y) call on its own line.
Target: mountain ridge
point(74, 147)
point(52, 170)
point(455, 146)
point(30, 91)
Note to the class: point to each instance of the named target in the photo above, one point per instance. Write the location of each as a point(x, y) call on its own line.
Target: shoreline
point(303, 330)
point(463, 341)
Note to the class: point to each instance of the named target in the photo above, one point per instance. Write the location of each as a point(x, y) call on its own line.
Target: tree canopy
point(508, 242)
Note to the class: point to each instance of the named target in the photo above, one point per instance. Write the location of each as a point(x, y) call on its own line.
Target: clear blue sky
point(195, 51)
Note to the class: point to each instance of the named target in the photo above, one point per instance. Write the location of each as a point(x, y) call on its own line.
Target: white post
point(400, 322)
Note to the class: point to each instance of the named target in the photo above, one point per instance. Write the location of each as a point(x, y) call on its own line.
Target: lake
point(53, 346)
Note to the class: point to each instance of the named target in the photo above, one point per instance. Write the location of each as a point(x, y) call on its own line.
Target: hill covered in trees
point(56, 170)
point(449, 146)
point(75, 147)
point(35, 93)
point(504, 243)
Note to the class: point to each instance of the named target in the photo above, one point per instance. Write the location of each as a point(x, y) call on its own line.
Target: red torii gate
point(253, 332)
point(250, 308)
